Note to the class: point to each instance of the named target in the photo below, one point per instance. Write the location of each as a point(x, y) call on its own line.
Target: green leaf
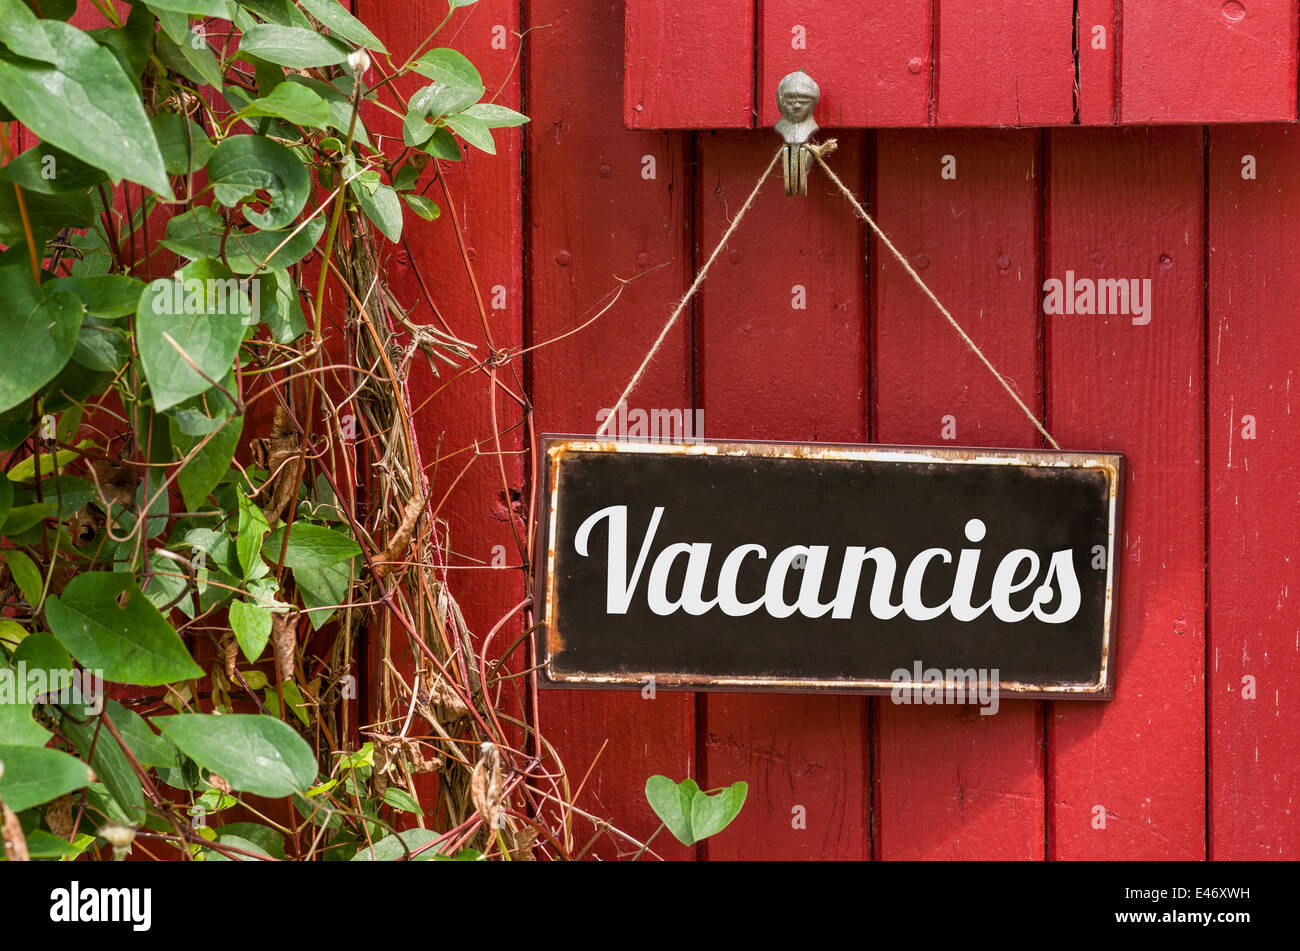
point(671, 802)
point(264, 837)
point(46, 213)
point(244, 165)
point(147, 746)
point(21, 31)
point(84, 89)
point(199, 314)
point(25, 471)
point(313, 547)
point(464, 855)
point(253, 753)
point(422, 206)
point(39, 329)
point(252, 627)
point(25, 574)
point(185, 147)
point(195, 63)
point(212, 855)
point(252, 529)
point(394, 848)
point(399, 798)
point(106, 296)
point(292, 46)
point(382, 208)
point(294, 103)
point(449, 67)
point(196, 8)
point(205, 413)
point(33, 776)
point(343, 24)
point(326, 587)
point(16, 723)
point(440, 99)
point(209, 465)
point(474, 131)
point(443, 145)
point(496, 117)
point(197, 234)
point(6, 500)
point(101, 347)
point(105, 621)
point(50, 171)
point(711, 814)
point(281, 308)
point(110, 764)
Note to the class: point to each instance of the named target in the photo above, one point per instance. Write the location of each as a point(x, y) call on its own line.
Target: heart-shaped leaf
point(690, 814)
point(292, 46)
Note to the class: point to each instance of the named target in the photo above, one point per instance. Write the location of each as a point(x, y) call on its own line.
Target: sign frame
point(549, 643)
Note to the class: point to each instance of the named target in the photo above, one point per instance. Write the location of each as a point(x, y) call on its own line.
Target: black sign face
point(775, 566)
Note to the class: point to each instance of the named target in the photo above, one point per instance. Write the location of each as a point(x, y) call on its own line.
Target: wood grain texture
point(604, 203)
point(1004, 63)
point(952, 783)
point(687, 66)
point(871, 61)
point(1127, 204)
point(771, 371)
point(1254, 488)
point(1097, 42)
point(1193, 61)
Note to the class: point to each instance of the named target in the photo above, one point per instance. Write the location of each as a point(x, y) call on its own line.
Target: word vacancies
point(74, 904)
point(1023, 582)
point(654, 425)
point(746, 566)
point(1105, 296)
point(215, 296)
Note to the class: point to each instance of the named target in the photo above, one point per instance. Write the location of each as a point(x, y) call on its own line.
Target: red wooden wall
point(1198, 755)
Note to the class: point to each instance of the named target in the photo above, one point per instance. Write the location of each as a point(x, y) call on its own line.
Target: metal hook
point(796, 96)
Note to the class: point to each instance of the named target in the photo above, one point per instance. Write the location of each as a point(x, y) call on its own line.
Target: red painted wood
point(687, 66)
point(1004, 63)
point(1253, 365)
point(1193, 61)
point(1128, 204)
point(1097, 43)
point(598, 210)
point(872, 62)
point(953, 784)
point(769, 371)
point(486, 190)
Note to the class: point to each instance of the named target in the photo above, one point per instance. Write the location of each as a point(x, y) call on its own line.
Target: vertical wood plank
point(477, 508)
point(1004, 63)
point(687, 66)
point(952, 783)
point(782, 338)
point(872, 62)
point(1127, 204)
point(1254, 475)
point(1097, 40)
point(1192, 61)
point(604, 203)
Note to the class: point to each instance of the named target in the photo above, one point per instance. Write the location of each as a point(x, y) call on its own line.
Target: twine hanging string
point(818, 151)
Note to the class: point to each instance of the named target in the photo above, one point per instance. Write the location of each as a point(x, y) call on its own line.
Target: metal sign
point(775, 566)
